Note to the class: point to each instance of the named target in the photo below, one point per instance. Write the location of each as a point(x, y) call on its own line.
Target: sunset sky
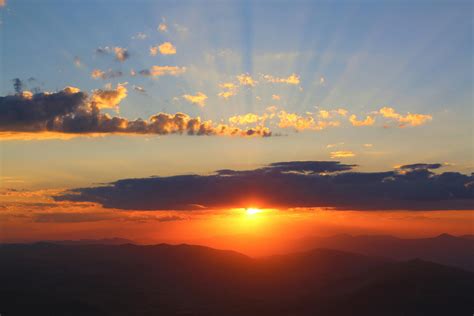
point(167, 120)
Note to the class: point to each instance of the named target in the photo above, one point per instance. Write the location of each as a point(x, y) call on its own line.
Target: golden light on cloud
point(163, 27)
point(368, 121)
point(246, 80)
point(157, 71)
point(249, 118)
point(342, 154)
point(165, 49)
point(199, 99)
point(97, 74)
point(230, 89)
point(293, 79)
point(300, 122)
point(121, 53)
point(411, 119)
point(107, 99)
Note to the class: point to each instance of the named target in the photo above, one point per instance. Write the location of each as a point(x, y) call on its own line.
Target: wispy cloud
point(342, 154)
point(158, 71)
point(293, 79)
point(199, 99)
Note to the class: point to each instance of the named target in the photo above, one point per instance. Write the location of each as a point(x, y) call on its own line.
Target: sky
point(96, 92)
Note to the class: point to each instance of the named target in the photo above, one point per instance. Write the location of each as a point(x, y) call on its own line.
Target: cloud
point(108, 99)
point(368, 121)
point(72, 112)
point(342, 154)
point(276, 97)
point(121, 54)
point(199, 99)
point(368, 145)
point(140, 36)
point(246, 80)
point(109, 74)
point(139, 89)
point(158, 71)
point(229, 89)
point(77, 62)
point(300, 122)
point(293, 79)
point(405, 120)
point(418, 166)
point(162, 27)
point(165, 49)
point(334, 145)
point(249, 118)
point(286, 185)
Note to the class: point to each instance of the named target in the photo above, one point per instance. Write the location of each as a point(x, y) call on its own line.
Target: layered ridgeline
point(103, 279)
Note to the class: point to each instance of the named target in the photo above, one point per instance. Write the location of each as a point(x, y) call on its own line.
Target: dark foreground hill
point(58, 279)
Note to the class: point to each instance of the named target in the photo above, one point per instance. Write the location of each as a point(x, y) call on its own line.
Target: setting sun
point(252, 211)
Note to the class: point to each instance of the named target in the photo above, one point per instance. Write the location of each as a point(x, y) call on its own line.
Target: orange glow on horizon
point(252, 211)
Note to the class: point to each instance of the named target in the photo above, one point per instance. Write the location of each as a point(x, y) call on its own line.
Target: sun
point(252, 211)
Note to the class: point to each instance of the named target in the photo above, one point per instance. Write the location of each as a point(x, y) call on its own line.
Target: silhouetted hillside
point(445, 249)
point(103, 241)
point(56, 279)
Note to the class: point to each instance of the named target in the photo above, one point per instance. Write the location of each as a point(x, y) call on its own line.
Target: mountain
point(58, 279)
point(445, 249)
point(103, 241)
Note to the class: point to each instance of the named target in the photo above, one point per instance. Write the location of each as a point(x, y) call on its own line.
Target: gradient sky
point(304, 59)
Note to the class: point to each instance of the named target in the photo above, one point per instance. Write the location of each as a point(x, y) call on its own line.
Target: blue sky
point(414, 57)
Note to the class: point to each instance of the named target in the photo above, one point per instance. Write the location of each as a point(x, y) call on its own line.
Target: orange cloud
point(276, 97)
point(408, 119)
point(157, 71)
point(369, 120)
point(342, 154)
point(300, 123)
point(230, 89)
point(165, 49)
point(249, 118)
point(121, 54)
point(107, 99)
point(246, 80)
point(97, 73)
point(163, 27)
point(199, 99)
point(293, 79)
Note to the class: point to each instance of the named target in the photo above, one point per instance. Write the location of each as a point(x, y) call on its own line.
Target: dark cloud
point(37, 112)
point(418, 166)
point(287, 185)
point(121, 54)
point(73, 112)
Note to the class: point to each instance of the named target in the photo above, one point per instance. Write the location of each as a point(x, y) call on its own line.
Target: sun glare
point(252, 211)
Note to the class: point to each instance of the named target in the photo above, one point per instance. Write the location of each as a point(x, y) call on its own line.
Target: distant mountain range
point(103, 241)
point(98, 279)
point(445, 249)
